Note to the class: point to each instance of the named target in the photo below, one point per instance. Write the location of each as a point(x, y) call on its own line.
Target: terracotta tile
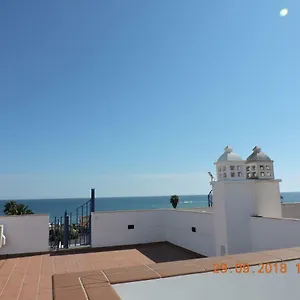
point(75, 293)
point(97, 291)
point(91, 259)
point(30, 287)
point(6, 271)
point(296, 249)
point(45, 295)
point(255, 258)
point(283, 254)
point(45, 283)
point(84, 265)
point(139, 268)
point(67, 286)
point(65, 281)
point(7, 266)
point(176, 269)
point(212, 263)
point(72, 264)
point(46, 272)
point(13, 288)
point(20, 279)
point(60, 264)
point(94, 277)
point(47, 267)
point(131, 275)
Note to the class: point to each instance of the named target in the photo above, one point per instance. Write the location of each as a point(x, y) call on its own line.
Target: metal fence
point(72, 230)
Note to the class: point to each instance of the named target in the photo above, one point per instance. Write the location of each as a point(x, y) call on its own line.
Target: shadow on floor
point(157, 252)
point(166, 252)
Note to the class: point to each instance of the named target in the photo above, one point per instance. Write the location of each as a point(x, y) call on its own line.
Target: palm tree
point(174, 200)
point(11, 208)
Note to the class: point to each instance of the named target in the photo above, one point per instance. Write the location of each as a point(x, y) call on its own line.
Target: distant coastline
point(56, 207)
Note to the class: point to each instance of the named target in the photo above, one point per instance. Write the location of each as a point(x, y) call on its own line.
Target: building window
point(231, 168)
point(224, 175)
point(262, 167)
point(269, 174)
point(232, 174)
point(239, 174)
point(262, 174)
point(268, 168)
point(224, 168)
point(248, 175)
point(254, 174)
point(253, 168)
point(238, 168)
point(248, 168)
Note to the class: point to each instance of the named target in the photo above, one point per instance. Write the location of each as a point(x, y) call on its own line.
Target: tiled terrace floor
point(30, 278)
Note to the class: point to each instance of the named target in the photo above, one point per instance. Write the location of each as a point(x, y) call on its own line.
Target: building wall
point(220, 221)
point(291, 210)
point(267, 194)
point(25, 234)
point(271, 233)
point(111, 228)
point(174, 226)
point(234, 204)
point(240, 206)
point(179, 232)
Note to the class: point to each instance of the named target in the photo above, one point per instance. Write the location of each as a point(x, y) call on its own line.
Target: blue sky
point(140, 97)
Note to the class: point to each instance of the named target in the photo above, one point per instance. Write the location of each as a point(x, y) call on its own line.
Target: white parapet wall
point(273, 233)
point(291, 210)
point(25, 234)
point(191, 230)
point(115, 228)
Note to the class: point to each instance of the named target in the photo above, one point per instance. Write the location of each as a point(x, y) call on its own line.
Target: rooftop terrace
point(30, 277)
point(126, 272)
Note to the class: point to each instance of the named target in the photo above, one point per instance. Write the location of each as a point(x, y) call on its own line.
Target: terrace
point(149, 271)
point(30, 277)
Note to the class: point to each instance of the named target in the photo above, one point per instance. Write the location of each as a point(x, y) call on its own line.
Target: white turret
point(230, 166)
point(259, 165)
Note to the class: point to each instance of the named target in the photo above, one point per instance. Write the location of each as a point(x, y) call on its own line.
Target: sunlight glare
point(283, 12)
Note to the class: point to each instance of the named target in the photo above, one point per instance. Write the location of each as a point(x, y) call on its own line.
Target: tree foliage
point(174, 200)
point(12, 208)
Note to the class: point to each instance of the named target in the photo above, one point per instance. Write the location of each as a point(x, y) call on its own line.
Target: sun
point(283, 12)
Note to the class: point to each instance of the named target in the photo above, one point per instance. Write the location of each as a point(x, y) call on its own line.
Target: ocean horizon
point(56, 207)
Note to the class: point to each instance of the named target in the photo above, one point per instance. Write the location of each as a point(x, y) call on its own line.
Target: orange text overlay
point(263, 268)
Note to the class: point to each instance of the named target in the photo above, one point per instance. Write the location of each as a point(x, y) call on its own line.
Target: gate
point(73, 230)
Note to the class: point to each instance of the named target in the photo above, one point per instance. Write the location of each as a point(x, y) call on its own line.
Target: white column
point(268, 202)
point(233, 206)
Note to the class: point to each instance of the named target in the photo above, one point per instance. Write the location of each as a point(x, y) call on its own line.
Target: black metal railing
point(56, 233)
point(210, 198)
point(73, 229)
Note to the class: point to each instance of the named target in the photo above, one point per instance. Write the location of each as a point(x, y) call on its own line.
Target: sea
point(57, 207)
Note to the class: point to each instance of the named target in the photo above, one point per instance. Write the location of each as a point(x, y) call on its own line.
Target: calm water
point(56, 207)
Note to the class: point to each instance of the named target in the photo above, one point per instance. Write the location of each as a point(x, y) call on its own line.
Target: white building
point(243, 189)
